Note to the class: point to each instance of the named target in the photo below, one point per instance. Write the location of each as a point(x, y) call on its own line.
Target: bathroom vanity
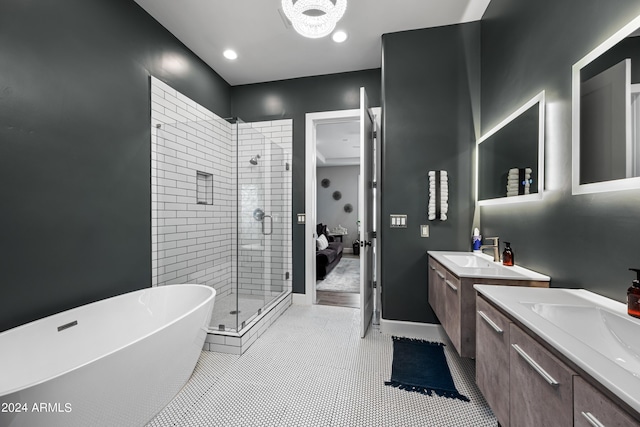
point(558, 357)
point(453, 299)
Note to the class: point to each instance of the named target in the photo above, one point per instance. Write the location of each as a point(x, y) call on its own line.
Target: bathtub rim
point(102, 356)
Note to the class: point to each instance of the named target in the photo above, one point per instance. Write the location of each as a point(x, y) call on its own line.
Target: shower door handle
point(264, 220)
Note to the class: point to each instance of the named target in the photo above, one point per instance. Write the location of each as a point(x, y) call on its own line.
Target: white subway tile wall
point(196, 243)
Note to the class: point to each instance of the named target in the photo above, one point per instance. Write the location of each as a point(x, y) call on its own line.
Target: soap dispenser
point(507, 256)
point(633, 296)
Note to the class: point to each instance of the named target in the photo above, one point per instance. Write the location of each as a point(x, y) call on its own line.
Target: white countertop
point(592, 331)
point(482, 266)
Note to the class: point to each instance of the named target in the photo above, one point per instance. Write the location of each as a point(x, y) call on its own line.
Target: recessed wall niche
point(204, 188)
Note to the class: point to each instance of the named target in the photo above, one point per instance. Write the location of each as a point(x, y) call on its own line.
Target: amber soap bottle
point(507, 256)
point(633, 296)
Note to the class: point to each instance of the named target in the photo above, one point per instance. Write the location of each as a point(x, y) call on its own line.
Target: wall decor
point(337, 195)
point(325, 183)
point(348, 208)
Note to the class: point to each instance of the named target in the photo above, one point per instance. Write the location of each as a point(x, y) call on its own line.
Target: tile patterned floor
point(311, 368)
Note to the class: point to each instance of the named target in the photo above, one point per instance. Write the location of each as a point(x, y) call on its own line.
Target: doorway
point(313, 120)
point(337, 212)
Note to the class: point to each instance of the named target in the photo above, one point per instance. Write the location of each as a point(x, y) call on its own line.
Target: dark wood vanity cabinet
point(591, 407)
point(525, 384)
point(540, 385)
point(453, 300)
point(492, 359)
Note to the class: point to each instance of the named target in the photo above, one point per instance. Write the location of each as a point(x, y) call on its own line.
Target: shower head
point(254, 159)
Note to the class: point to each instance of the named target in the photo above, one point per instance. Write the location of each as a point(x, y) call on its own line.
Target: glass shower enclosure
point(222, 215)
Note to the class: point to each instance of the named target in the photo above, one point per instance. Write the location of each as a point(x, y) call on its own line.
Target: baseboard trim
point(427, 331)
point(300, 299)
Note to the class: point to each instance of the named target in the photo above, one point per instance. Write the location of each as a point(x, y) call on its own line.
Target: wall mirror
point(606, 115)
point(510, 157)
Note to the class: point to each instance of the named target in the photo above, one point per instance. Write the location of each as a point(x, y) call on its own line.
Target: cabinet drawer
point(436, 289)
point(433, 277)
point(451, 290)
point(593, 409)
point(492, 358)
point(541, 386)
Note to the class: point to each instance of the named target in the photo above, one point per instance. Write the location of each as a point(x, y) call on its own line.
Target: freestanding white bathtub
point(115, 362)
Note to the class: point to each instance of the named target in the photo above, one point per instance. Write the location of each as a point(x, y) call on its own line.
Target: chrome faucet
point(495, 246)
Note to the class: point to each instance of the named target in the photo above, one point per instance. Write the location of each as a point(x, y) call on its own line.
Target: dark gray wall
point(430, 100)
point(75, 148)
point(331, 211)
point(292, 99)
point(584, 241)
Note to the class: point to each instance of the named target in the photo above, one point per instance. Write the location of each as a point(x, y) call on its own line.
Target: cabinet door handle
point(490, 322)
point(432, 267)
point(592, 420)
point(440, 275)
point(452, 286)
point(548, 378)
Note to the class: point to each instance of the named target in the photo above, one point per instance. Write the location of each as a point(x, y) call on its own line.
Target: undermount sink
point(470, 260)
point(613, 336)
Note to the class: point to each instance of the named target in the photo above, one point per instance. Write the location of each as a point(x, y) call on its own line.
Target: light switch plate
point(424, 230)
point(398, 221)
point(302, 218)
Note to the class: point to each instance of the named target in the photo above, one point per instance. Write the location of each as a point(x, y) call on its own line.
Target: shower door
point(262, 223)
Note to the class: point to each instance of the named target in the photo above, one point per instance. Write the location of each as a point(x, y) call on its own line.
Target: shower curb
point(239, 342)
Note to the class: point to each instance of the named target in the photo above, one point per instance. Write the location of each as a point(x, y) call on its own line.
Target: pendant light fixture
point(314, 18)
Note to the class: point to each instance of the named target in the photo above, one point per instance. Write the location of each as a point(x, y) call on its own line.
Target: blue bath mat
point(421, 366)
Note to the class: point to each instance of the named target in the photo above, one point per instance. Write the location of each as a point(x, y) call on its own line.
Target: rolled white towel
point(517, 170)
point(443, 217)
point(512, 193)
point(517, 173)
point(432, 216)
point(432, 173)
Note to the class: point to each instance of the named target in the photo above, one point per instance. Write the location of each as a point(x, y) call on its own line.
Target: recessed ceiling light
point(339, 36)
point(230, 54)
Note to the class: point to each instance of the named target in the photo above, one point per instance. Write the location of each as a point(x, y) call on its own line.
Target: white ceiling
point(338, 144)
point(268, 50)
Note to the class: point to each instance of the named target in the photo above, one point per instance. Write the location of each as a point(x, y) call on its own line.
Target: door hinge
point(373, 234)
point(374, 184)
point(374, 284)
point(375, 134)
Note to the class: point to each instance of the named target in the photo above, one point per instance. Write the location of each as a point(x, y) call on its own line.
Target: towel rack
point(438, 195)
